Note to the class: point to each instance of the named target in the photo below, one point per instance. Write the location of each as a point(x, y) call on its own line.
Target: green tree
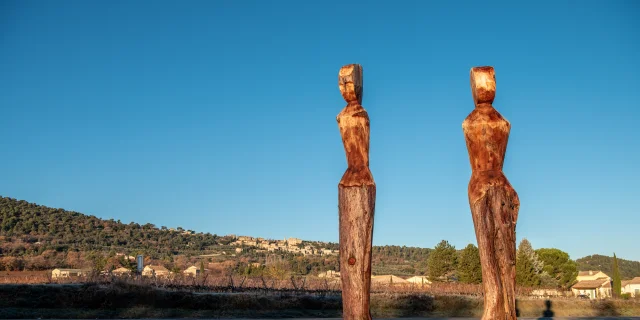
point(469, 268)
point(442, 261)
point(528, 267)
point(617, 282)
point(201, 268)
point(556, 263)
point(98, 262)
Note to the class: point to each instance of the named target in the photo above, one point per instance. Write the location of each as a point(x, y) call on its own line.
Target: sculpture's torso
point(354, 129)
point(486, 133)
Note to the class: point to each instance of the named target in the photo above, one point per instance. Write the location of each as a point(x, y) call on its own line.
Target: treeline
point(549, 268)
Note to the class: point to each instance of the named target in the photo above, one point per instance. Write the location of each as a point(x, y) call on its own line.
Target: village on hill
point(293, 245)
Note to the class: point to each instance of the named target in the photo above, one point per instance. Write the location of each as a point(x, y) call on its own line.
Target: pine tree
point(558, 266)
point(528, 266)
point(617, 282)
point(442, 261)
point(469, 268)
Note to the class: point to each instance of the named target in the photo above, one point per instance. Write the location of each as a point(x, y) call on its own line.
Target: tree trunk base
point(495, 212)
point(356, 209)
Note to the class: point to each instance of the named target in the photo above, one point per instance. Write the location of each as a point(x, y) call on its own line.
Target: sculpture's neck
point(484, 105)
point(353, 103)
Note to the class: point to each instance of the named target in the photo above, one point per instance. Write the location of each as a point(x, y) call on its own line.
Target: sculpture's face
point(483, 85)
point(350, 83)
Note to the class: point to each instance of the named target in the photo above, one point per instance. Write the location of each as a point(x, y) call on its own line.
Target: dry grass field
point(106, 297)
point(25, 277)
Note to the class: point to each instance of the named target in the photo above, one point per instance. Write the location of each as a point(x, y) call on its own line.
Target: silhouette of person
point(547, 313)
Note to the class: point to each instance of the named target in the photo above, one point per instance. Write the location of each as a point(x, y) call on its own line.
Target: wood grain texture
point(356, 207)
point(356, 199)
point(493, 201)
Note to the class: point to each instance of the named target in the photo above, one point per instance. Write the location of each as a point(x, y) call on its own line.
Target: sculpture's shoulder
point(486, 116)
point(353, 113)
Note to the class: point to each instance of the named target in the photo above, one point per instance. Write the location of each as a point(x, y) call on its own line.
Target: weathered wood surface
point(356, 199)
point(493, 201)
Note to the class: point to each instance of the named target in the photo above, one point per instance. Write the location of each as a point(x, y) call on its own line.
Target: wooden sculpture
point(494, 203)
point(356, 199)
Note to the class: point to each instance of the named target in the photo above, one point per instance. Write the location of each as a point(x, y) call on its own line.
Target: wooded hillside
point(628, 269)
point(31, 231)
point(35, 237)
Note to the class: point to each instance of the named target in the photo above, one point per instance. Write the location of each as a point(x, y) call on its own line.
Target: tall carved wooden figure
point(494, 203)
point(356, 199)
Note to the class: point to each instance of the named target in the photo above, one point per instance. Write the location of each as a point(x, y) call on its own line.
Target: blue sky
point(219, 116)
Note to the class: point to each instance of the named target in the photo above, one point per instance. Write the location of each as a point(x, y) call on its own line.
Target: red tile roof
point(590, 284)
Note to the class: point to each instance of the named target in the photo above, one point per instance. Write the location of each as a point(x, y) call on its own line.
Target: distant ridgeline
point(39, 228)
point(628, 269)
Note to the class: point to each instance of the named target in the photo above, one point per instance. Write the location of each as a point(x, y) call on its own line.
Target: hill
point(35, 237)
point(628, 269)
point(33, 229)
point(43, 237)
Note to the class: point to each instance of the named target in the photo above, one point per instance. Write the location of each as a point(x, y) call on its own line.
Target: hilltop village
point(292, 245)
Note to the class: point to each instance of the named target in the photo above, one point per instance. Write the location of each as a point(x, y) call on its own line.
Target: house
point(293, 249)
point(329, 274)
point(121, 271)
point(591, 275)
point(388, 279)
point(155, 271)
point(420, 280)
point(67, 273)
point(125, 256)
point(594, 284)
point(192, 271)
point(632, 287)
point(238, 250)
point(594, 289)
point(326, 252)
point(294, 241)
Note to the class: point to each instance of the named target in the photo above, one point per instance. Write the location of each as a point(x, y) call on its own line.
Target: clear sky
point(220, 116)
